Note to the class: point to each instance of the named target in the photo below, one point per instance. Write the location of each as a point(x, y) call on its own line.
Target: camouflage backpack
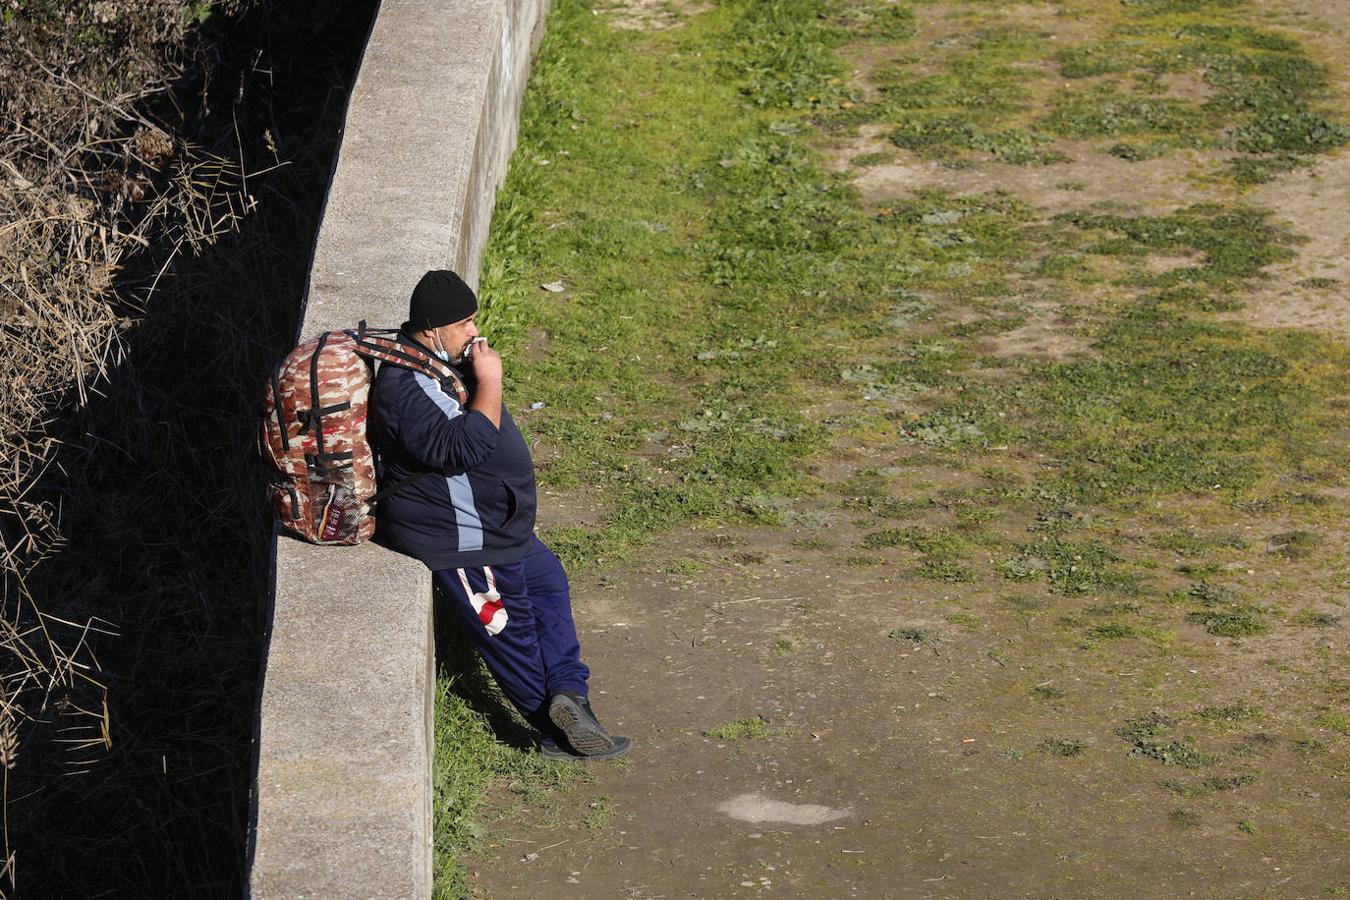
point(314, 431)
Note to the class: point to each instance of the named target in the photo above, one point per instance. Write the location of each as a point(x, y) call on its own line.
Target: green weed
point(914, 636)
point(1105, 112)
point(1235, 621)
point(965, 620)
point(601, 812)
point(1143, 734)
point(1236, 712)
point(1066, 747)
point(1185, 818)
point(1111, 631)
point(1314, 619)
point(1072, 567)
point(1295, 544)
point(752, 728)
point(1337, 722)
point(1207, 786)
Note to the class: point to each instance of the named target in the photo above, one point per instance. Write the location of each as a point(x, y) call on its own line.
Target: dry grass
point(159, 186)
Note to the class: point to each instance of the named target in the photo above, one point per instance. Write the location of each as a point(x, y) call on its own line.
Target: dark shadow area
point(143, 792)
point(457, 660)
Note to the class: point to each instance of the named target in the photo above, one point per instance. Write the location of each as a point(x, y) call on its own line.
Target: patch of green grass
point(751, 728)
point(935, 136)
point(1247, 826)
point(864, 160)
point(813, 542)
point(1072, 567)
point(1234, 712)
point(1295, 132)
point(942, 549)
point(684, 567)
point(1174, 753)
point(1211, 594)
point(1295, 544)
point(1185, 818)
point(1249, 170)
point(1167, 402)
point(1308, 747)
point(965, 620)
point(1315, 619)
point(1207, 786)
point(948, 570)
point(1114, 609)
point(1022, 603)
point(914, 636)
point(1139, 151)
point(1049, 692)
point(1111, 631)
point(1104, 111)
point(600, 813)
point(1237, 620)
point(782, 57)
point(1144, 736)
point(876, 20)
point(468, 759)
point(1066, 747)
point(1336, 721)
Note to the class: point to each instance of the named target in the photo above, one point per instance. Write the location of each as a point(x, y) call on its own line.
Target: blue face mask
point(442, 354)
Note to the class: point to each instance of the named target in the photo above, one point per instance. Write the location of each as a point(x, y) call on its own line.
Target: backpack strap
point(408, 357)
point(280, 411)
point(314, 416)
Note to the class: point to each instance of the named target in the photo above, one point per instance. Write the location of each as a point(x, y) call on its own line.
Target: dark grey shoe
point(571, 712)
point(553, 751)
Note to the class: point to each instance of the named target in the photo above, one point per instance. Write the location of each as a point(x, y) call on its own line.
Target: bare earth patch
point(1311, 290)
point(1089, 176)
point(651, 15)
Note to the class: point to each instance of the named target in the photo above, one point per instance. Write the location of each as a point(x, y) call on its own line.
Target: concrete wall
point(342, 799)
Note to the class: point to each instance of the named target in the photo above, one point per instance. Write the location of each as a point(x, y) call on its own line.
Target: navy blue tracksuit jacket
point(478, 506)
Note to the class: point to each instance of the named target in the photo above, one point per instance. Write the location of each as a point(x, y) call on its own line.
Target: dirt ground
point(911, 738)
point(890, 768)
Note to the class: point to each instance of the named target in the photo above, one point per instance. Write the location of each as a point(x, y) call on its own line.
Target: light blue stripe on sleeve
point(470, 524)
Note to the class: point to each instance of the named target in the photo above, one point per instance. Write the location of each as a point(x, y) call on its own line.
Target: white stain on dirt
point(758, 808)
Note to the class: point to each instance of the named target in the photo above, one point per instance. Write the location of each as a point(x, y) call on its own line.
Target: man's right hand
point(487, 363)
point(487, 370)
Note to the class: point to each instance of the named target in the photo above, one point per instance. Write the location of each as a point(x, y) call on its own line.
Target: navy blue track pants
point(519, 617)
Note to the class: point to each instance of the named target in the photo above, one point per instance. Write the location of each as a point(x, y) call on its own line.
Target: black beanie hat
point(441, 297)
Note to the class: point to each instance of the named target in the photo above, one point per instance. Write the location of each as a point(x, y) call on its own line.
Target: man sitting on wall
point(472, 520)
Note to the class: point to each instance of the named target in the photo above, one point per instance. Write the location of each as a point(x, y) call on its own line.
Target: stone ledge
point(342, 796)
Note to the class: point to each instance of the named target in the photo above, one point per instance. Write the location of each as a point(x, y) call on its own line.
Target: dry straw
point(101, 204)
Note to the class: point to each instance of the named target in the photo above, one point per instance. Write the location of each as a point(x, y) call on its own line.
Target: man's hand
point(487, 363)
point(487, 369)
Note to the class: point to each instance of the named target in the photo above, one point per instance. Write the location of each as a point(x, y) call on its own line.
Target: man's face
point(455, 336)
